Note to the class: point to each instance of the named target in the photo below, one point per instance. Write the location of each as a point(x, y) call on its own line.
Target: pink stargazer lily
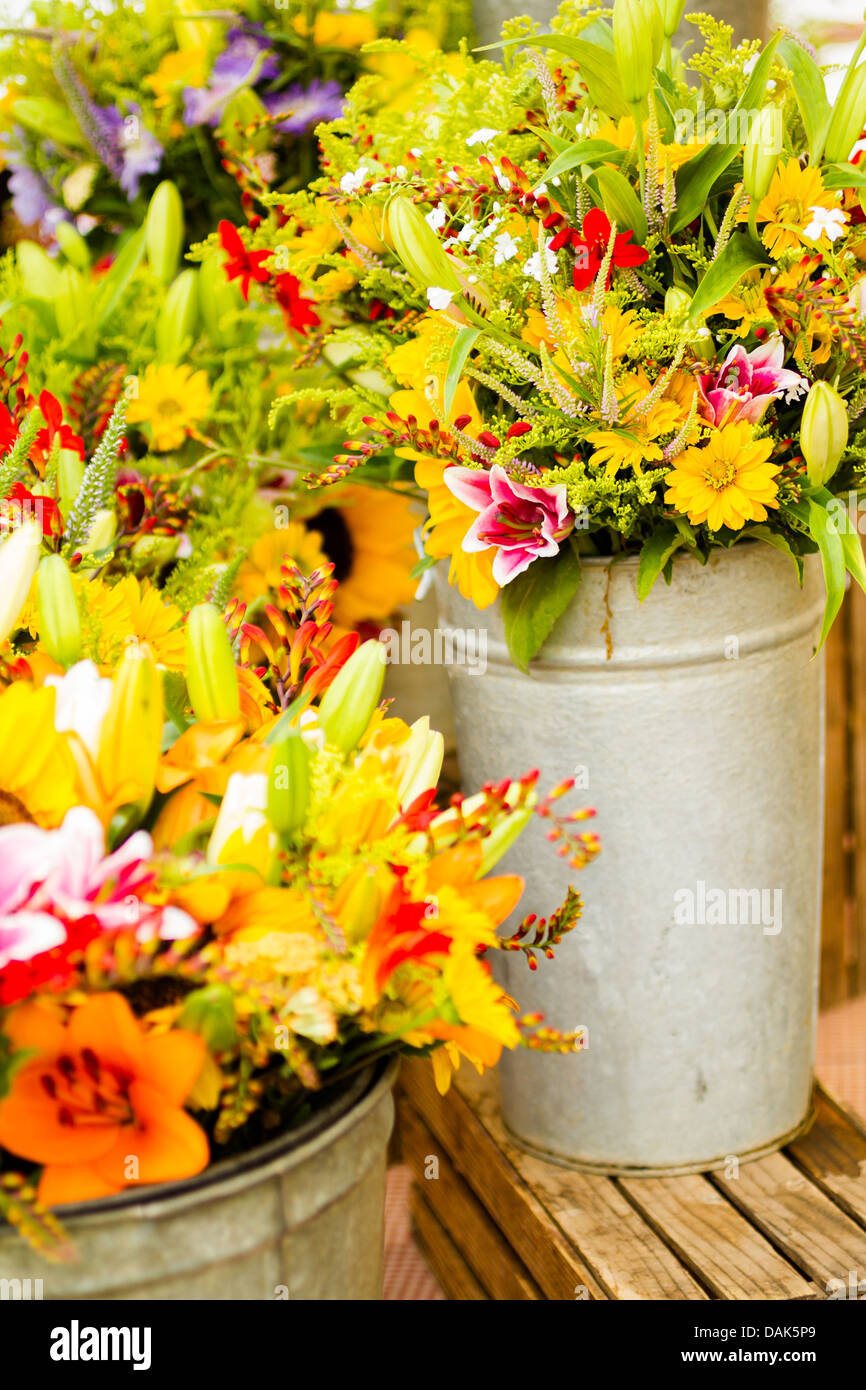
point(523, 522)
point(747, 382)
point(52, 879)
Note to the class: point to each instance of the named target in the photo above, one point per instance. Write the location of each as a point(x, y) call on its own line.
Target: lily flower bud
point(761, 152)
point(358, 903)
point(846, 120)
point(102, 530)
point(131, 732)
point(59, 619)
point(19, 558)
point(289, 785)
point(502, 837)
point(211, 676)
point(70, 476)
point(424, 751)
point(73, 245)
point(672, 13)
point(163, 231)
point(178, 318)
point(823, 432)
point(638, 35)
point(39, 274)
point(419, 248)
point(352, 696)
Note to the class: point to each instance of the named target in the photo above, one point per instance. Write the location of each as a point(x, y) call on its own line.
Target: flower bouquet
point(227, 890)
point(100, 104)
point(604, 301)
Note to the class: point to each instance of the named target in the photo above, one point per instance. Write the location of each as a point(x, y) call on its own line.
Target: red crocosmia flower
point(318, 680)
point(8, 430)
point(299, 313)
point(54, 428)
point(591, 247)
point(242, 264)
point(20, 505)
point(399, 935)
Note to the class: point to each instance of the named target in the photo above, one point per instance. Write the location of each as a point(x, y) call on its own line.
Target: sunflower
point(727, 481)
point(171, 400)
point(37, 772)
point(790, 207)
point(368, 535)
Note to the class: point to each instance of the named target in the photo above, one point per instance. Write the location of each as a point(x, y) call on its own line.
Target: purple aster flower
point(244, 60)
point(303, 108)
point(33, 198)
point(140, 149)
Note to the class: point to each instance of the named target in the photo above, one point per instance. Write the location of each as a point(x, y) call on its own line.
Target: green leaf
point(621, 203)
point(778, 542)
point(809, 90)
point(533, 601)
point(851, 545)
point(698, 175)
point(597, 68)
point(843, 175)
point(829, 542)
point(114, 284)
point(655, 554)
point(589, 152)
point(741, 254)
point(463, 345)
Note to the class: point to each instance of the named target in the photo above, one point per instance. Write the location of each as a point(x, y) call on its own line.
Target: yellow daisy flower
point(789, 207)
point(633, 440)
point(171, 400)
point(727, 481)
point(112, 613)
point(622, 134)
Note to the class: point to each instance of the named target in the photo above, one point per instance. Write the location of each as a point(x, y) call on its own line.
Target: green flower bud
point(103, 529)
point(353, 695)
point(672, 13)
point(502, 837)
point(210, 1012)
point(846, 120)
point(638, 35)
point(218, 300)
point(70, 476)
point(59, 619)
point(73, 245)
point(177, 323)
point(72, 304)
point(163, 231)
point(823, 432)
point(289, 785)
point(42, 278)
point(211, 677)
point(761, 152)
point(419, 247)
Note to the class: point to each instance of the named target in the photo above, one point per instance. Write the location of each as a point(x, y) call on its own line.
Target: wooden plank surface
point(833, 1154)
point(474, 1233)
point(453, 1273)
point(614, 1253)
point(714, 1240)
point(797, 1217)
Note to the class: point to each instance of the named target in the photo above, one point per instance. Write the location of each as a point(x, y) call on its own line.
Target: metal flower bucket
point(301, 1217)
point(694, 724)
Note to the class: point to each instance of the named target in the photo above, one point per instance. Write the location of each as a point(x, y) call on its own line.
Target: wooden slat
point(710, 1237)
point(797, 1217)
point(621, 1256)
point(514, 1208)
point(477, 1237)
point(833, 1154)
point(453, 1273)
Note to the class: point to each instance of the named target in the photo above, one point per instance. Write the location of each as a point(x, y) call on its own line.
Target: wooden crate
point(498, 1223)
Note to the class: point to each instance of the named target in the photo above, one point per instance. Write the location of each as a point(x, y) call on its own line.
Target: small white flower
point(532, 267)
point(454, 175)
point(482, 136)
point(436, 218)
point(541, 190)
point(467, 233)
point(749, 66)
point(350, 183)
point(505, 248)
point(556, 181)
point(401, 171)
point(858, 148)
point(828, 222)
point(503, 180)
point(438, 298)
point(416, 153)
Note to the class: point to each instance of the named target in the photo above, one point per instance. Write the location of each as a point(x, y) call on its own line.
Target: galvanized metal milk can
point(694, 724)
